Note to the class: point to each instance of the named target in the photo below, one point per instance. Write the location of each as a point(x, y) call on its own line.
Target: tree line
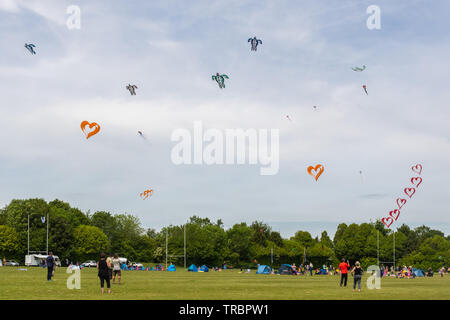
point(79, 236)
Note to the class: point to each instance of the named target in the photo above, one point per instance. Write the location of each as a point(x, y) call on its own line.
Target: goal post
point(378, 250)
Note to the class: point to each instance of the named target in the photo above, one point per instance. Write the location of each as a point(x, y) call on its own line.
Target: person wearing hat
point(357, 272)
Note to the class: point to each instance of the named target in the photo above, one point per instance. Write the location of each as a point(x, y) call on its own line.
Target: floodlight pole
point(394, 250)
point(167, 239)
point(28, 245)
point(47, 233)
point(185, 246)
point(378, 248)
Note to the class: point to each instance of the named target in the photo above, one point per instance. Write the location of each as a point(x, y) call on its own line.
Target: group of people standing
point(343, 270)
point(357, 272)
point(108, 268)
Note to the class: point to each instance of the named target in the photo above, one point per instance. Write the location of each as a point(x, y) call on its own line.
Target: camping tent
point(204, 268)
point(286, 269)
point(193, 268)
point(263, 269)
point(418, 272)
point(171, 268)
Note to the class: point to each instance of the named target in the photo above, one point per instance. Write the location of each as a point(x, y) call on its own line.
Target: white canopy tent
point(35, 259)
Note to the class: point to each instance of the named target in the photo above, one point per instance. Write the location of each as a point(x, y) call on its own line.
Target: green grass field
point(228, 285)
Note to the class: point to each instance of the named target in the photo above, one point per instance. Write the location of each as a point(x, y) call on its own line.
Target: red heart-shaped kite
point(396, 213)
point(410, 191)
point(388, 218)
point(417, 168)
point(403, 201)
point(416, 179)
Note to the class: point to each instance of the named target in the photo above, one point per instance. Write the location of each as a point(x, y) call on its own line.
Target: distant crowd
point(357, 272)
point(385, 271)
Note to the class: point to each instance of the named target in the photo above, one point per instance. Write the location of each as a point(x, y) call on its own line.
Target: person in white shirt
point(116, 268)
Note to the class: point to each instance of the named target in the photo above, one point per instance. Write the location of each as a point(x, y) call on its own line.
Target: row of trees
point(79, 236)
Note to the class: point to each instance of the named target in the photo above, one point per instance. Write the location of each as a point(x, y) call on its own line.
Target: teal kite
point(220, 78)
point(357, 69)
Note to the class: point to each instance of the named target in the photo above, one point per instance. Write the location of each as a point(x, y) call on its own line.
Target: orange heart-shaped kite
point(317, 171)
point(84, 124)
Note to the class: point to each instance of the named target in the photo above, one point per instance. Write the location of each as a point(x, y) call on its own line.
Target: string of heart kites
point(415, 181)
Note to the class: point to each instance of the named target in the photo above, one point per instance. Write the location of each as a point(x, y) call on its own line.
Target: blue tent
point(286, 269)
point(204, 268)
point(418, 272)
point(171, 268)
point(263, 269)
point(193, 268)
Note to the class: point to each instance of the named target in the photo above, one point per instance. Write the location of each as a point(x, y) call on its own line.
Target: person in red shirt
point(344, 266)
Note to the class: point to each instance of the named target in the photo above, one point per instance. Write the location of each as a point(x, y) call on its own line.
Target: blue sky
point(170, 49)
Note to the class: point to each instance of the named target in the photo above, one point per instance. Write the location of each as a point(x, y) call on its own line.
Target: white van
point(123, 260)
point(34, 260)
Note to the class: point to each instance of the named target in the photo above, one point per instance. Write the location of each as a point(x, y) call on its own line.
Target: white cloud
point(9, 5)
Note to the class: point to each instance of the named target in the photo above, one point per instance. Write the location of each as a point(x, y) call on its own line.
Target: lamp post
point(47, 233)
point(28, 245)
point(167, 246)
point(378, 248)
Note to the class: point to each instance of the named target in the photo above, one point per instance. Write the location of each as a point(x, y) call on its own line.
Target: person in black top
point(103, 273)
point(50, 264)
point(357, 276)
